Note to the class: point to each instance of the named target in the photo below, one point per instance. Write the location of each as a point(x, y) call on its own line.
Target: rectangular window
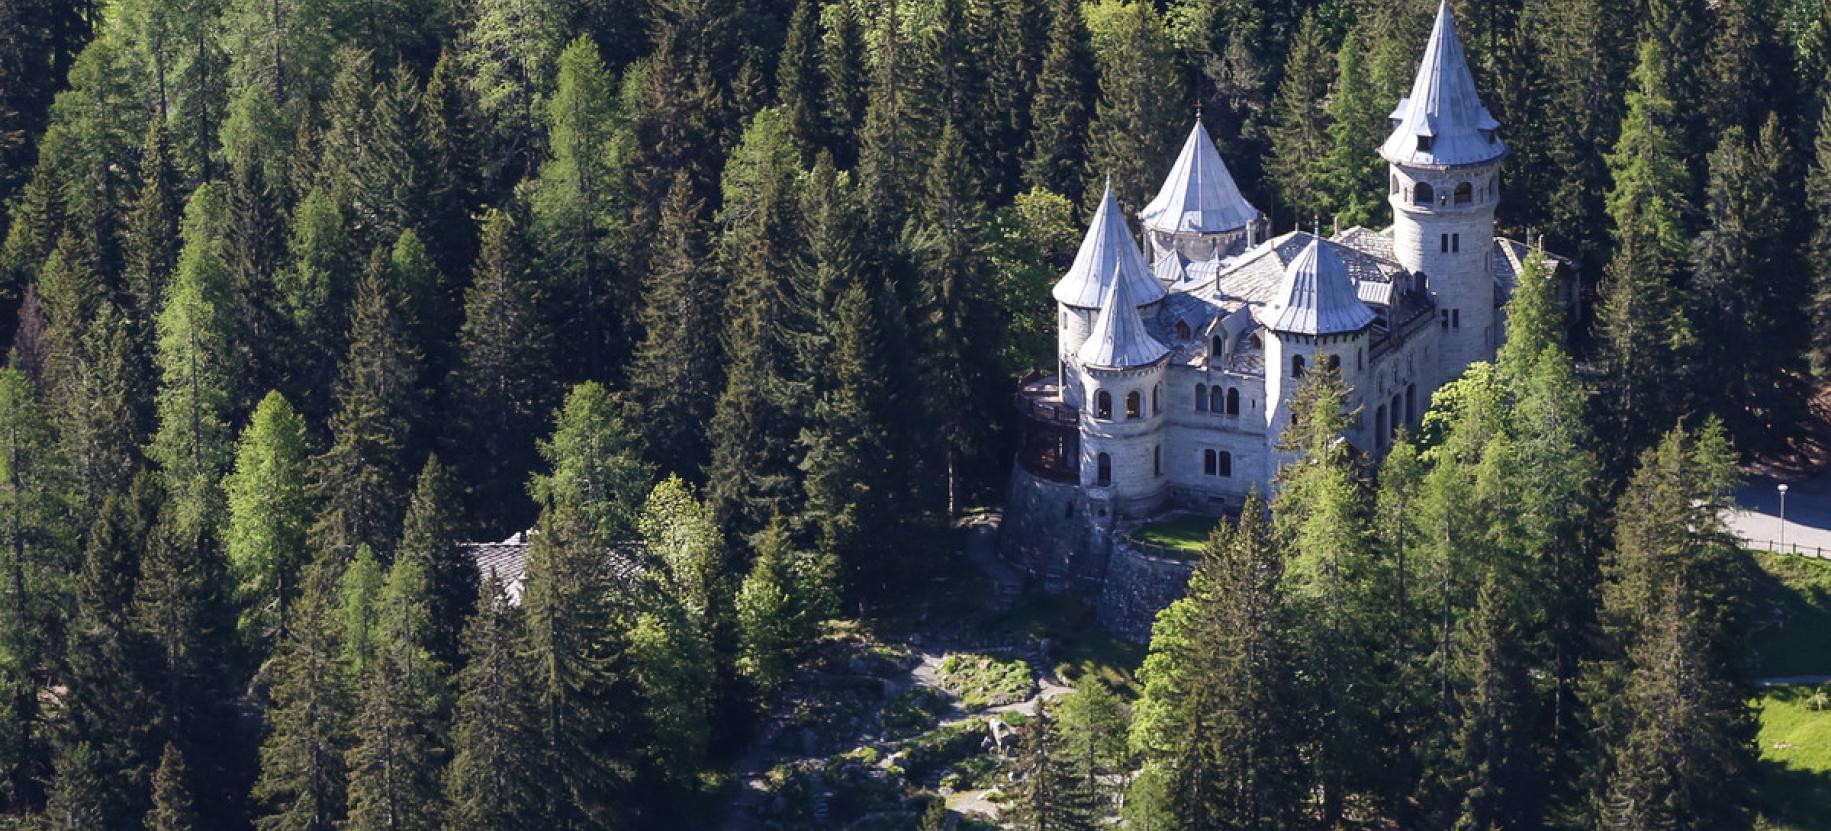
point(1455, 318)
point(1443, 245)
point(1456, 243)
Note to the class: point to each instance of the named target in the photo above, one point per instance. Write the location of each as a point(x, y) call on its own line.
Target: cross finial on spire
point(1198, 108)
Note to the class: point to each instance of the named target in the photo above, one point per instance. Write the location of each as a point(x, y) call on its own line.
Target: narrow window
point(1157, 400)
point(1208, 468)
point(1157, 461)
point(1103, 405)
point(1296, 366)
point(1214, 398)
point(1360, 358)
point(1446, 317)
point(1455, 318)
point(1214, 351)
point(1134, 404)
point(1201, 398)
point(1257, 343)
point(1455, 243)
point(1379, 426)
point(1182, 330)
point(1411, 403)
point(1443, 244)
point(1233, 400)
point(1226, 463)
point(1104, 470)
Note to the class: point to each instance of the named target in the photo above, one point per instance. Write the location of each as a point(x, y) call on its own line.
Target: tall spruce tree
point(35, 535)
point(172, 806)
point(675, 377)
point(1299, 129)
point(1356, 126)
point(1059, 112)
point(393, 764)
point(1048, 792)
point(502, 390)
point(362, 479)
point(493, 781)
point(431, 535)
point(800, 81)
point(1818, 204)
point(1490, 759)
point(303, 784)
point(1142, 104)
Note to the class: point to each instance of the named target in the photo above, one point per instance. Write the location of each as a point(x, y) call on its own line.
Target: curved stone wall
point(1138, 586)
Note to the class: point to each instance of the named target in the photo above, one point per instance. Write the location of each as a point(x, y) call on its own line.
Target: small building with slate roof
point(1178, 359)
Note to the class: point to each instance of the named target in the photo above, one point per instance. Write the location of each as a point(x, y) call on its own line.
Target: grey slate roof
point(1107, 249)
point(1255, 277)
point(1443, 108)
point(1119, 339)
point(508, 559)
point(1316, 296)
point(1199, 195)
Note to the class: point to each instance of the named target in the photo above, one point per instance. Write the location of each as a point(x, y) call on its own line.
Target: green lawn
point(1793, 609)
point(1795, 791)
point(1185, 534)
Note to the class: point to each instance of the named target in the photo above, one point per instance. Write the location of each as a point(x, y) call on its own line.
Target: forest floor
point(919, 700)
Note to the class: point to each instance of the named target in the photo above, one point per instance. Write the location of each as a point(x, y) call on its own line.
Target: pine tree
point(78, 794)
point(493, 782)
point(431, 535)
point(172, 809)
point(754, 424)
point(589, 502)
point(1299, 129)
point(361, 480)
point(846, 76)
point(152, 234)
point(780, 606)
point(502, 389)
point(393, 767)
point(269, 514)
point(573, 209)
point(800, 84)
point(673, 379)
point(1818, 203)
point(100, 428)
point(449, 123)
point(303, 783)
point(1141, 102)
point(1745, 288)
point(1490, 761)
point(1047, 792)
point(1059, 111)
point(1355, 171)
point(193, 444)
point(174, 611)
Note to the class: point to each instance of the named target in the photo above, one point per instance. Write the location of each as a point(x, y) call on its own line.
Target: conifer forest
point(596, 414)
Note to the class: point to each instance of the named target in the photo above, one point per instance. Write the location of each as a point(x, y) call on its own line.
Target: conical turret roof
point(1108, 249)
point(1443, 123)
point(1118, 340)
point(1316, 296)
point(1200, 195)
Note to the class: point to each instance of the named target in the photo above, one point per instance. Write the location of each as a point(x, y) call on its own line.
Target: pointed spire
point(1443, 123)
point(1316, 296)
point(1119, 340)
point(1200, 195)
point(1108, 249)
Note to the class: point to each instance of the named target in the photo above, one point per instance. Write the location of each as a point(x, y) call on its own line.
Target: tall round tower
point(1107, 255)
point(1122, 415)
point(1444, 158)
point(1316, 319)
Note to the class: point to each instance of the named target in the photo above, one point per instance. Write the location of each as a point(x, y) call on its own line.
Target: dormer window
point(1489, 134)
point(1182, 330)
point(1424, 144)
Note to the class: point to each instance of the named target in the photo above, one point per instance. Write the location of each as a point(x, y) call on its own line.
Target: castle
point(1175, 375)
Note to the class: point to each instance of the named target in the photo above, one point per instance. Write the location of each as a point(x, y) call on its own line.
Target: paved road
point(1808, 514)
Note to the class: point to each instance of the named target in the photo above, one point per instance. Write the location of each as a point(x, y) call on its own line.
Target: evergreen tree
point(193, 444)
point(573, 208)
point(303, 784)
point(780, 606)
point(386, 194)
point(151, 235)
point(361, 480)
point(1048, 792)
point(269, 514)
point(1490, 760)
point(800, 84)
point(394, 762)
point(958, 332)
point(172, 810)
point(690, 77)
point(1299, 129)
point(674, 377)
point(449, 124)
point(100, 430)
point(846, 78)
point(1059, 111)
point(359, 610)
point(1746, 284)
point(1748, 66)
point(1141, 102)
point(1355, 173)
point(77, 797)
point(493, 781)
point(315, 294)
point(1818, 252)
point(501, 390)
point(430, 536)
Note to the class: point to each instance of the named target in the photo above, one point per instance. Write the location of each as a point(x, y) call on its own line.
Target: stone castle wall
point(1138, 585)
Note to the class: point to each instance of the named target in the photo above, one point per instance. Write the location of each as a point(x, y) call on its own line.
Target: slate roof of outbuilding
point(1199, 195)
point(509, 560)
point(1443, 107)
point(1107, 249)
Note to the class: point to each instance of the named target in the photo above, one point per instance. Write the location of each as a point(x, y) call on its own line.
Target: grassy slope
point(1794, 599)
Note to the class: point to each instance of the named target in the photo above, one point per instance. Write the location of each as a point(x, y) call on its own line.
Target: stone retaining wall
point(1138, 586)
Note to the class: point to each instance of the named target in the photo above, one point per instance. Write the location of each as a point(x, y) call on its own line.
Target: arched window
point(1208, 467)
point(1257, 342)
point(1157, 400)
point(1233, 400)
point(1296, 366)
point(1103, 405)
point(1201, 398)
point(1214, 398)
point(1335, 362)
point(1226, 468)
point(1394, 187)
point(1134, 404)
point(1465, 193)
point(1214, 348)
point(1182, 330)
point(1423, 194)
point(1103, 468)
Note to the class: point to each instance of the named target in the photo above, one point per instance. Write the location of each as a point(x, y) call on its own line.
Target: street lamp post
point(1782, 490)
